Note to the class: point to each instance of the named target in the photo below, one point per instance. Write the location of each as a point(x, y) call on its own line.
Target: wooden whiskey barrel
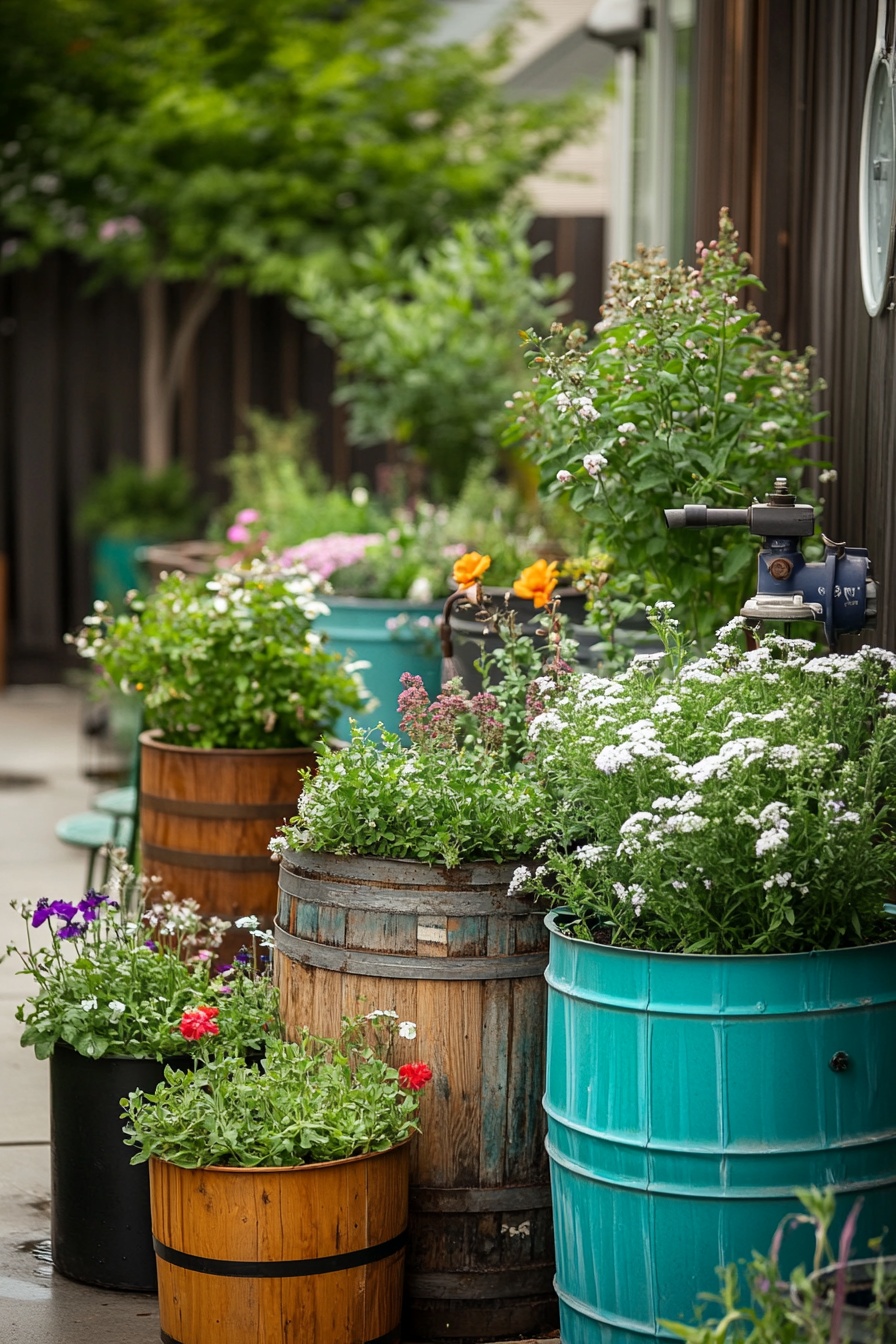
point(206, 817)
point(449, 950)
point(281, 1255)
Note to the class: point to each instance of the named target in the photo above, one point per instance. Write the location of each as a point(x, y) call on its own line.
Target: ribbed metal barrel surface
point(687, 1096)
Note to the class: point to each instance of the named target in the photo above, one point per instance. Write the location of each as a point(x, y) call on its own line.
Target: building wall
point(780, 95)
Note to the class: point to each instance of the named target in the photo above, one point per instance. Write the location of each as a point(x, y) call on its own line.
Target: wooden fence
point(780, 94)
point(69, 396)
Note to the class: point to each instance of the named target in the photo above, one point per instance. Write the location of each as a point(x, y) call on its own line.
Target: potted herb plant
point(680, 392)
point(394, 886)
point(107, 982)
point(280, 1191)
point(722, 983)
point(237, 689)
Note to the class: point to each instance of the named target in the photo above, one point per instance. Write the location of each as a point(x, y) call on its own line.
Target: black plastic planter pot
point(99, 1211)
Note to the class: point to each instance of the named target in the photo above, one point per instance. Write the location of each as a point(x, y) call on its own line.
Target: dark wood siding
point(69, 403)
point(780, 94)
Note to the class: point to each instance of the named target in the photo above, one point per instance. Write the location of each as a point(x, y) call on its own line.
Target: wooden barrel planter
point(281, 1255)
point(449, 950)
point(206, 817)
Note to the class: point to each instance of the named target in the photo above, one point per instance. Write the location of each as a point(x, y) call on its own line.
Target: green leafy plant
point(117, 973)
point(273, 475)
point(222, 144)
point(232, 661)
point(427, 339)
point(315, 1100)
point(684, 396)
point(127, 503)
point(810, 1307)
point(450, 797)
point(742, 802)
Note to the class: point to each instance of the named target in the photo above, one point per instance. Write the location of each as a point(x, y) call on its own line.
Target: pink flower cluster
point(238, 532)
point(435, 723)
point(128, 226)
point(324, 555)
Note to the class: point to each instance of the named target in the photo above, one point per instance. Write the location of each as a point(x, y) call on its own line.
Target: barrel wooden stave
point(286, 1214)
point(473, 1271)
point(206, 818)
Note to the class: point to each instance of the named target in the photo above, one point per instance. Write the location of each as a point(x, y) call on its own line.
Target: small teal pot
point(393, 637)
point(686, 1097)
point(116, 568)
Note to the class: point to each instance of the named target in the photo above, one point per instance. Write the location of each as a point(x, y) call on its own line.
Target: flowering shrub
point(233, 661)
point(109, 982)
point(447, 798)
point(682, 397)
point(316, 1100)
point(740, 802)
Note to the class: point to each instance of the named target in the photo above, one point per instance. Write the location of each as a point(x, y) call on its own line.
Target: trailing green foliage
point(315, 1100)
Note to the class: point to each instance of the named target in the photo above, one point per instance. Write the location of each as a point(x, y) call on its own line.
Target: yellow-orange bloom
point(537, 582)
point(470, 568)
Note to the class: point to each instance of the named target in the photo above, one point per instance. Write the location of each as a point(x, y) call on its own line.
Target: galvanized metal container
point(687, 1096)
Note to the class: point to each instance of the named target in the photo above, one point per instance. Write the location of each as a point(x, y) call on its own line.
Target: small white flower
point(628, 428)
point(360, 496)
point(769, 426)
point(585, 409)
point(520, 878)
point(247, 922)
point(827, 476)
point(564, 477)
point(407, 1031)
point(730, 397)
point(594, 463)
point(380, 1012)
point(116, 1008)
point(89, 1004)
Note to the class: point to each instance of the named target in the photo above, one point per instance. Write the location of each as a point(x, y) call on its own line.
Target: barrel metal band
point(478, 1199)
point(181, 807)
point(191, 858)
point(390, 1337)
point(281, 1269)
point(389, 966)
point(464, 1286)
point(402, 900)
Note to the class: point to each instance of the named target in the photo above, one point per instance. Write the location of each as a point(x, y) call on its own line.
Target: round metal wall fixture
point(877, 182)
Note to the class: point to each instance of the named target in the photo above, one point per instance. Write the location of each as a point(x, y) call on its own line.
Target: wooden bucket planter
point(449, 950)
point(206, 817)
point(281, 1255)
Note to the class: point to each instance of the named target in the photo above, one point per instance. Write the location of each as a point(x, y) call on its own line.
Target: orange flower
point(470, 568)
point(537, 582)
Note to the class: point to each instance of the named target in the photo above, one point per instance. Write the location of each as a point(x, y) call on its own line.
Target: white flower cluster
point(775, 819)
point(520, 877)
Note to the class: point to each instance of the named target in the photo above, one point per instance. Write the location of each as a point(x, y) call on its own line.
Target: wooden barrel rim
point(300, 1168)
point(152, 738)
point(405, 872)
point(406, 900)
point(389, 966)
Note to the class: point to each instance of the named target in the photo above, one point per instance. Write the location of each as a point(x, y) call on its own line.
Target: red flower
point(198, 1022)
point(414, 1076)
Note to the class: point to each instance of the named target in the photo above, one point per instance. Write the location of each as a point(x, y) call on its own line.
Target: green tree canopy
point(224, 141)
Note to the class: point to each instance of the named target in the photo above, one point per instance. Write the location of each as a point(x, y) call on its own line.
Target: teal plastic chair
point(92, 831)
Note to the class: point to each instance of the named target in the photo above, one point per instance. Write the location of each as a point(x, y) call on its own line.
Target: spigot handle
point(698, 515)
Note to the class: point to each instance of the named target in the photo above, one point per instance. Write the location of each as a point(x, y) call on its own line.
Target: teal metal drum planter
point(686, 1097)
point(394, 637)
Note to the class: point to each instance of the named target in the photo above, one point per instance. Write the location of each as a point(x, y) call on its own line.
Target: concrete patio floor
point(41, 755)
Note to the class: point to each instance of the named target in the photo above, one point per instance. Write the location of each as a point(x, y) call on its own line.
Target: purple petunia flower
point(63, 909)
point(243, 958)
point(71, 931)
point(42, 913)
point(153, 947)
